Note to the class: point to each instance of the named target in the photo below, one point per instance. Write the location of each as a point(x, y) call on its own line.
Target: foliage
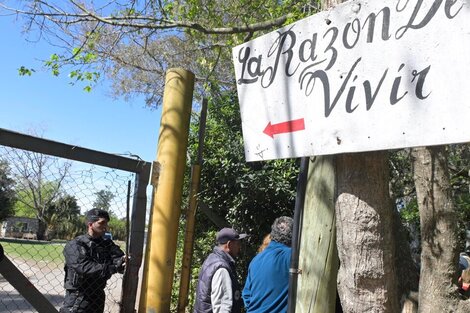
point(248, 196)
point(103, 200)
point(23, 71)
point(24, 207)
point(7, 193)
point(403, 189)
point(63, 218)
point(202, 246)
point(134, 43)
point(459, 169)
point(118, 228)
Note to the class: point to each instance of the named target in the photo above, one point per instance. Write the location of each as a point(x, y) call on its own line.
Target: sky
point(65, 113)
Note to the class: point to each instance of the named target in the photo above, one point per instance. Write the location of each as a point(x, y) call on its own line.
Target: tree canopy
point(135, 42)
point(39, 179)
point(103, 200)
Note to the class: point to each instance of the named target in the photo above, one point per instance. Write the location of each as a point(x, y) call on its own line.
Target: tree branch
point(144, 22)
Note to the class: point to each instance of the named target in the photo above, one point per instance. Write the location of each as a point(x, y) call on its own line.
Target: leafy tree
point(103, 200)
point(248, 196)
point(118, 228)
point(7, 193)
point(135, 42)
point(404, 191)
point(38, 183)
point(62, 217)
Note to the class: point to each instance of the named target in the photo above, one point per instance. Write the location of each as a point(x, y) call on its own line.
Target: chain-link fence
point(45, 198)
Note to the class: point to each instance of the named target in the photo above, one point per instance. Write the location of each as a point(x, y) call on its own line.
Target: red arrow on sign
point(284, 127)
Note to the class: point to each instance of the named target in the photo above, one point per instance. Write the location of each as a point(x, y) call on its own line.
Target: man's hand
point(120, 264)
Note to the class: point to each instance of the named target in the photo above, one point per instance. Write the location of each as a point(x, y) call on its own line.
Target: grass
point(30, 250)
point(50, 252)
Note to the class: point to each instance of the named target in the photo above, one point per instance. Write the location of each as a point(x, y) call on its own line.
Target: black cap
point(228, 234)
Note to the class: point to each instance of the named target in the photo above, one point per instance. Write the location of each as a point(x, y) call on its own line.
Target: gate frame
point(142, 170)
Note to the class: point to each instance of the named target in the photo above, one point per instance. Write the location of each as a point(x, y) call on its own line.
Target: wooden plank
point(318, 259)
point(16, 278)
point(136, 244)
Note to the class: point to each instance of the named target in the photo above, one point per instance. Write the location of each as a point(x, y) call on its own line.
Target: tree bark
point(367, 280)
point(365, 220)
point(41, 232)
point(439, 255)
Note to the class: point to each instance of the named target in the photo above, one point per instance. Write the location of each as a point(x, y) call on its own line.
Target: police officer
point(90, 260)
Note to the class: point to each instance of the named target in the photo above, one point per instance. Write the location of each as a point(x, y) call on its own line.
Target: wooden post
point(318, 260)
point(166, 202)
point(191, 215)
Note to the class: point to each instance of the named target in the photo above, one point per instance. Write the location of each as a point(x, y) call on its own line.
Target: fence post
point(191, 215)
point(136, 241)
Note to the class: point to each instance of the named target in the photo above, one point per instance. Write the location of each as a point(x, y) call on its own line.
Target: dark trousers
point(83, 302)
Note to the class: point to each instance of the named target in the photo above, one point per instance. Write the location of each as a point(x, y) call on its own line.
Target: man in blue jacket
point(267, 283)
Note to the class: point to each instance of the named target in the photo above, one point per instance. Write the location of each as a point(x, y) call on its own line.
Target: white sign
point(366, 75)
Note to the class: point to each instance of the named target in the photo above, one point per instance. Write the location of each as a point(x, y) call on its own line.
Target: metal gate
point(55, 184)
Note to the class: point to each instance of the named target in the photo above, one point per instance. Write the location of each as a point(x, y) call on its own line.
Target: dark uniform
point(89, 263)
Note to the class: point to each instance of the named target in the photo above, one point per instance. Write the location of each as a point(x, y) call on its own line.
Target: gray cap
point(228, 234)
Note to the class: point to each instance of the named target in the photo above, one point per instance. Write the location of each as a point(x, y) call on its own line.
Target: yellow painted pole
point(167, 193)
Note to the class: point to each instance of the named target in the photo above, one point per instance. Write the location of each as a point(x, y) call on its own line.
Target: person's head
point(281, 230)
point(97, 222)
point(229, 241)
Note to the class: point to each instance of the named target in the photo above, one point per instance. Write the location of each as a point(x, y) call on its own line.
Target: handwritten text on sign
point(366, 75)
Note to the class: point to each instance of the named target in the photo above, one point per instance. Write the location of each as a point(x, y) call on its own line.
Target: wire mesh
point(52, 194)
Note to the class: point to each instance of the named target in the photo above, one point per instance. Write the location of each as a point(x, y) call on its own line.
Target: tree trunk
point(439, 255)
point(42, 227)
point(367, 280)
point(376, 266)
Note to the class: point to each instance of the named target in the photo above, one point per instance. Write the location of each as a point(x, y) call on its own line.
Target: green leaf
point(23, 71)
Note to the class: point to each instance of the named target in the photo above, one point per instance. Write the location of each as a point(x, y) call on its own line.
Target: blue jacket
point(267, 283)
